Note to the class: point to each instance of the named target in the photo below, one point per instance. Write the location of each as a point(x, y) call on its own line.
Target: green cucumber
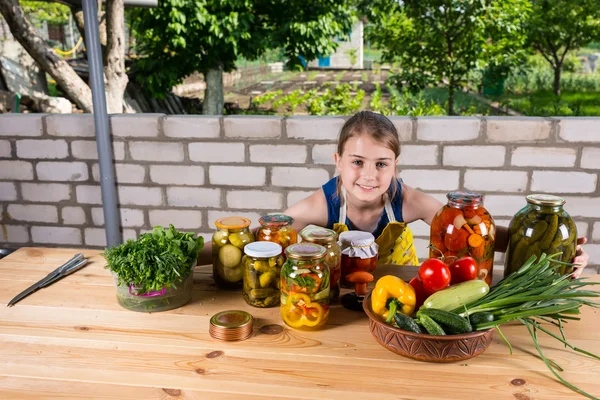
point(407, 323)
point(457, 295)
point(450, 322)
point(432, 327)
point(481, 317)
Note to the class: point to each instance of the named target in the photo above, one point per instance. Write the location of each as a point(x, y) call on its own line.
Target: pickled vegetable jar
point(328, 239)
point(277, 228)
point(542, 226)
point(463, 227)
point(305, 287)
point(262, 264)
point(359, 253)
point(227, 249)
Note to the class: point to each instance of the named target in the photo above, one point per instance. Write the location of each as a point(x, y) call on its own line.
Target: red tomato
point(463, 269)
point(434, 274)
point(420, 294)
point(456, 240)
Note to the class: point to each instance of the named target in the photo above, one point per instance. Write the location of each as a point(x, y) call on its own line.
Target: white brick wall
point(323, 153)
point(253, 127)
point(510, 130)
point(217, 152)
point(278, 154)
point(16, 170)
point(474, 156)
point(431, 179)
point(254, 199)
point(544, 157)
point(73, 216)
point(311, 128)
point(45, 192)
point(579, 129)
point(181, 219)
point(88, 194)
point(21, 125)
point(156, 151)
point(130, 218)
point(503, 205)
point(15, 234)
point(193, 197)
point(404, 127)
point(496, 181)
point(294, 197)
point(177, 175)
point(73, 171)
point(579, 206)
point(563, 182)
point(187, 126)
point(590, 158)
point(298, 177)
point(50, 149)
point(234, 176)
point(124, 173)
point(139, 196)
point(8, 191)
point(88, 150)
point(596, 232)
point(418, 155)
point(97, 236)
point(79, 125)
point(55, 235)
point(5, 149)
point(447, 129)
point(145, 125)
point(34, 213)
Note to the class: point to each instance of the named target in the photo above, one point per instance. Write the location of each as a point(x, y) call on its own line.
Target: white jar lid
point(262, 249)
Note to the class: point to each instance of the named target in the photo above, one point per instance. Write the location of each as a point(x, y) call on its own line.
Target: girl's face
point(366, 168)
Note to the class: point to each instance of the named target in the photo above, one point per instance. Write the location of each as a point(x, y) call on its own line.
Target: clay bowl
point(424, 347)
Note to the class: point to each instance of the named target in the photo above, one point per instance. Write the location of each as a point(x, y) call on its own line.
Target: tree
point(66, 78)
point(443, 40)
point(558, 26)
point(184, 36)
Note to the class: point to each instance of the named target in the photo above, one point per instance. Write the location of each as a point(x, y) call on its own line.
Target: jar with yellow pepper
point(328, 239)
point(277, 228)
point(305, 286)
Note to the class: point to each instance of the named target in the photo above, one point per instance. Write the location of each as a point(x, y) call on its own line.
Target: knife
point(74, 264)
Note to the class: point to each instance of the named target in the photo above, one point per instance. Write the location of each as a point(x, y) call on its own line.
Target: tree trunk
point(450, 98)
point(66, 78)
point(79, 21)
point(116, 77)
point(213, 96)
point(557, 80)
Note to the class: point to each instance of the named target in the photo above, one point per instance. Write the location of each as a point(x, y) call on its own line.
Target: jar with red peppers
point(463, 227)
point(359, 253)
point(277, 228)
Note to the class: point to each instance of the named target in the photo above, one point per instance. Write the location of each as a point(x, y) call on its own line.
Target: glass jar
point(227, 249)
point(305, 287)
point(262, 264)
point(277, 228)
point(542, 226)
point(359, 253)
point(463, 227)
point(328, 239)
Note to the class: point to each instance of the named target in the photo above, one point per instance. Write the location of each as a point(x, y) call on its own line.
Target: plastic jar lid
point(231, 325)
point(305, 251)
point(316, 234)
point(232, 223)
point(262, 249)
point(545, 200)
point(276, 220)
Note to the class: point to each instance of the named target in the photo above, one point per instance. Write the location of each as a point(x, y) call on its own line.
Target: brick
point(404, 127)
point(504, 205)
point(474, 156)
point(139, 196)
point(544, 157)
point(35, 213)
point(596, 232)
point(14, 233)
point(8, 191)
point(217, 152)
point(233, 176)
point(278, 154)
point(16, 170)
point(129, 217)
point(252, 127)
point(124, 173)
point(156, 151)
point(421, 247)
point(49, 149)
point(294, 197)
point(88, 194)
point(46, 192)
point(420, 228)
point(299, 177)
point(314, 128)
point(5, 150)
point(580, 206)
point(431, 179)
point(323, 153)
point(88, 150)
point(496, 181)
point(594, 252)
point(418, 155)
point(192, 126)
point(578, 129)
point(73, 216)
point(135, 125)
point(582, 229)
point(73, 171)
point(254, 199)
point(447, 129)
point(181, 219)
point(193, 197)
point(80, 125)
point(252, 216)
point(176, 175)
point(590, 158)
point(21, 125)
point(563, 182)
point(97, 236)
point(510, 129)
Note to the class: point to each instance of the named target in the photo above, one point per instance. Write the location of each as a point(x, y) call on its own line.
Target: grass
point(545, 103)
point(464, 103)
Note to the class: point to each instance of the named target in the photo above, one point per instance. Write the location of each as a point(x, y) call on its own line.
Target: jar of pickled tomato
point(359, 253)
point(277, 228)
point(328, 239)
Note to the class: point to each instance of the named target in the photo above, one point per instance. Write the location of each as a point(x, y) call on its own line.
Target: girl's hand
point(581, 257)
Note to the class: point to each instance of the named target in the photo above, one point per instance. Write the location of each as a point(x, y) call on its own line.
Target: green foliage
point(352, 56)
point(40, 11)
point(155, 260)
point(337, 100)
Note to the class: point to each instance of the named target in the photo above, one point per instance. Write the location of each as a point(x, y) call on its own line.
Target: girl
point(367, 196)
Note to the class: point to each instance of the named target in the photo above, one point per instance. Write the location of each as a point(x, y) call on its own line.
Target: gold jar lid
point(545, 200)
point(305, 251)
point(232, 223)
point(231, 325)
point(317, 234)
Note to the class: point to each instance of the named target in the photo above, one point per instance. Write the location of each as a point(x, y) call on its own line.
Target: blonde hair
point(379, 128)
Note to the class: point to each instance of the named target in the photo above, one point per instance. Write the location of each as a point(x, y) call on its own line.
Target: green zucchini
point(481, 317)
point(432, 327)
point(457, 295)
point(407, 323)
point(450, 322)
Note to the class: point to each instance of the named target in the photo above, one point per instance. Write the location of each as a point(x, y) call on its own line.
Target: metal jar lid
point(231, 325)
point(316, 234)
point(232, 223)
point(276, 220)
point(545, 200)
point(305, 251)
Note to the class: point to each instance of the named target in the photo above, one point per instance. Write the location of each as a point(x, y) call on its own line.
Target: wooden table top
point(72, 339)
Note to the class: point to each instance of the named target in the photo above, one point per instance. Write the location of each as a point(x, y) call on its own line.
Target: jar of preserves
point(227, 249)
point(328, 239)
point(305, 286)
point(277, 228)
point(359, 253)
point(262, 264)
point(463, 227)
point(542, 226)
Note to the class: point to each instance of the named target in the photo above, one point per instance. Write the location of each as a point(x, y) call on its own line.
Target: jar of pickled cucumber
point(328, 239)
point(542, 226)
point(463, 227)
point(262, 264)
point(277, 228)
point(227, 250)
point(305, 286)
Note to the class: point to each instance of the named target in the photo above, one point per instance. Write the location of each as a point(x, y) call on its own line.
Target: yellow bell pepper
point(300, 311)
point(392, 287)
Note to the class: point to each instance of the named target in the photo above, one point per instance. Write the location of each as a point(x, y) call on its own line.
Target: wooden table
point(72, 339)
